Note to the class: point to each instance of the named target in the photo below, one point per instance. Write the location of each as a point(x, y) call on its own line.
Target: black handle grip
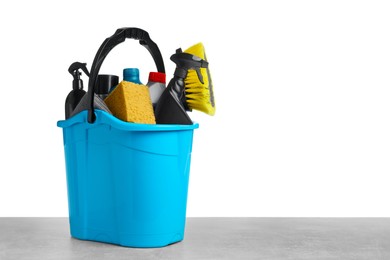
point(118, 37)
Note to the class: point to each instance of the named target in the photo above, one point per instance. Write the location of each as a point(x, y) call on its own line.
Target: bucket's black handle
point(118, 37)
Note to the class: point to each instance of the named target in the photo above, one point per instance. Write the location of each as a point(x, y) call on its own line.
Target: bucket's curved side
point(89, 182)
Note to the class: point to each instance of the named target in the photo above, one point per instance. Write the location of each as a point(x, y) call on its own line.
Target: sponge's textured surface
point(131, 102)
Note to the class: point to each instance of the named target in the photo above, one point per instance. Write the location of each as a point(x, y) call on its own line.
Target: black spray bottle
point(172, 106)
point(77, 93)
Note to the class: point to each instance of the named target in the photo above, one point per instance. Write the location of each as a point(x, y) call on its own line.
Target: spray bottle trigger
point(76, 66)
point(84, 68)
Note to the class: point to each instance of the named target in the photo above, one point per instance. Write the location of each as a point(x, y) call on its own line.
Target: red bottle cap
point(157, 77)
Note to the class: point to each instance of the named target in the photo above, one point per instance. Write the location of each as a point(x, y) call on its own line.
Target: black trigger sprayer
point(172, 105)
point(77, 92)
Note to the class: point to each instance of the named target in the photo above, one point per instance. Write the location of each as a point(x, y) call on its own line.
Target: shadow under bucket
point(127, 183)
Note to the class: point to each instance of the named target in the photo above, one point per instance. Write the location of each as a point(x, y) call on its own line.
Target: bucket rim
point(103, 117)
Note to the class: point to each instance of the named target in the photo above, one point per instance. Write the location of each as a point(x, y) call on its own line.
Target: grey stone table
point(210, 238)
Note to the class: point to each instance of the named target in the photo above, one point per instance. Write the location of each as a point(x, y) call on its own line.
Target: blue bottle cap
point(132, 75)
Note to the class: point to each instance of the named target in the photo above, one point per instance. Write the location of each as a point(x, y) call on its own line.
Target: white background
point(302, 89)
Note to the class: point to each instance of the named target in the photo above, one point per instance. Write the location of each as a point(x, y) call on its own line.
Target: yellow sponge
point(131, 102)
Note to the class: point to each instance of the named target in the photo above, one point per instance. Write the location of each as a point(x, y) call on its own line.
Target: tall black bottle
point(77, 93)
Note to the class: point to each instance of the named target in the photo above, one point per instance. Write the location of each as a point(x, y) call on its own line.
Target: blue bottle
point(132, 75)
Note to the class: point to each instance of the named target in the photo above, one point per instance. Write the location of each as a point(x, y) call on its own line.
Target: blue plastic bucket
point(127, 183)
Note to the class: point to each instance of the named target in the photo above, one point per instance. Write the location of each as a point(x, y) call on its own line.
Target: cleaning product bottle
point(105, 83)
point(77, 93)
point(156, 84)
point(131, 75)
point(190, 88)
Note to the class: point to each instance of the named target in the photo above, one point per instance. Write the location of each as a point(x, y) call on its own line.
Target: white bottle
point(156, 84)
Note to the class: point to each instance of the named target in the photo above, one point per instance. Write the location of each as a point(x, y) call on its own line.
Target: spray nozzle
point(74, 71)
point(75, 66)
point(185, 61)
